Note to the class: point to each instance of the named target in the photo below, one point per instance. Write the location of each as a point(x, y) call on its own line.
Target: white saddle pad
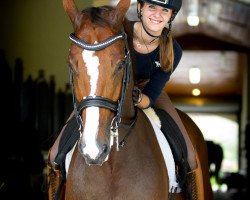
point(165, 148)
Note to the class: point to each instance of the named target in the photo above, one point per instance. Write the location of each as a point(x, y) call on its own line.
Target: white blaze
point(92, 113)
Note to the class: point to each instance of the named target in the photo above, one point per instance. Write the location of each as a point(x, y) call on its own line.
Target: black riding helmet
point(175, 5)
point(171, 4)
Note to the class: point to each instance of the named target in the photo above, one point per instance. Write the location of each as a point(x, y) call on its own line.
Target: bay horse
point(102, 85)
point(215, 156)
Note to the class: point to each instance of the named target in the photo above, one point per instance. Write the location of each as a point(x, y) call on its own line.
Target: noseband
point(99, 101)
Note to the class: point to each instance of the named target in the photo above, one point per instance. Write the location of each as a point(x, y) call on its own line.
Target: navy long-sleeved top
point(148, 67)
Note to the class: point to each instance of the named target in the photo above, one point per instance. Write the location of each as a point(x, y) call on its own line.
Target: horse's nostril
point(105, 148)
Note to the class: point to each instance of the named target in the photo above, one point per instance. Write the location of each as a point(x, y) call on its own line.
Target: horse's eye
point(119, 67)
point(121, 64)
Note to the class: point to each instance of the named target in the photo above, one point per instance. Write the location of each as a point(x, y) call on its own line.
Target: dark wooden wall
point(32, 114)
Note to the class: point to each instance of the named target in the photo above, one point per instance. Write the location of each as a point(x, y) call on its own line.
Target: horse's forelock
point(99, 15)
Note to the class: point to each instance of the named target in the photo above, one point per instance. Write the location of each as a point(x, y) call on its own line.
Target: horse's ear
point(120, 11)
point(72, 11)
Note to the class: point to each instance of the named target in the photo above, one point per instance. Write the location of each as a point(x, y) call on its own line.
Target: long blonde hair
point(166, 51)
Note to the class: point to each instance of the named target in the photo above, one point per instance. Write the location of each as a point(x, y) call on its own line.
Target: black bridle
point(99, 101)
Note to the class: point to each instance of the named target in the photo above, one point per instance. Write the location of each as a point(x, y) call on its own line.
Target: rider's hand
point(136, 96)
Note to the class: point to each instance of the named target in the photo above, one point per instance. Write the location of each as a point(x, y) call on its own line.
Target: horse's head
point(99, 74)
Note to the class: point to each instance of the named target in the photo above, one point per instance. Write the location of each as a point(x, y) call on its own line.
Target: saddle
point(177, 144)
point(168, 126)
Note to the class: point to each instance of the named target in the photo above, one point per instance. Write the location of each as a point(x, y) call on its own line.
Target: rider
point(156, 55)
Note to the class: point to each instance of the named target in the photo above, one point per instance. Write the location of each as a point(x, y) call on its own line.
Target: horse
point(215, 156)
point(117, 155)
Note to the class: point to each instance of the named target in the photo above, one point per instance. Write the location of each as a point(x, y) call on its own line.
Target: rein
point(103, 102)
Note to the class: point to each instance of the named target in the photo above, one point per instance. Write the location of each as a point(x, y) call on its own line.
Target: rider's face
point(154, 17)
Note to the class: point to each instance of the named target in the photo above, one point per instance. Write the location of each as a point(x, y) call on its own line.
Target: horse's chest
point(136, 181)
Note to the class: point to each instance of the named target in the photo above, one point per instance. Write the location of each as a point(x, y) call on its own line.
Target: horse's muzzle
point(101, 157)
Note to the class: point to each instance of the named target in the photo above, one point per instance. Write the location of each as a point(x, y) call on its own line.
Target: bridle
point(99, 101)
